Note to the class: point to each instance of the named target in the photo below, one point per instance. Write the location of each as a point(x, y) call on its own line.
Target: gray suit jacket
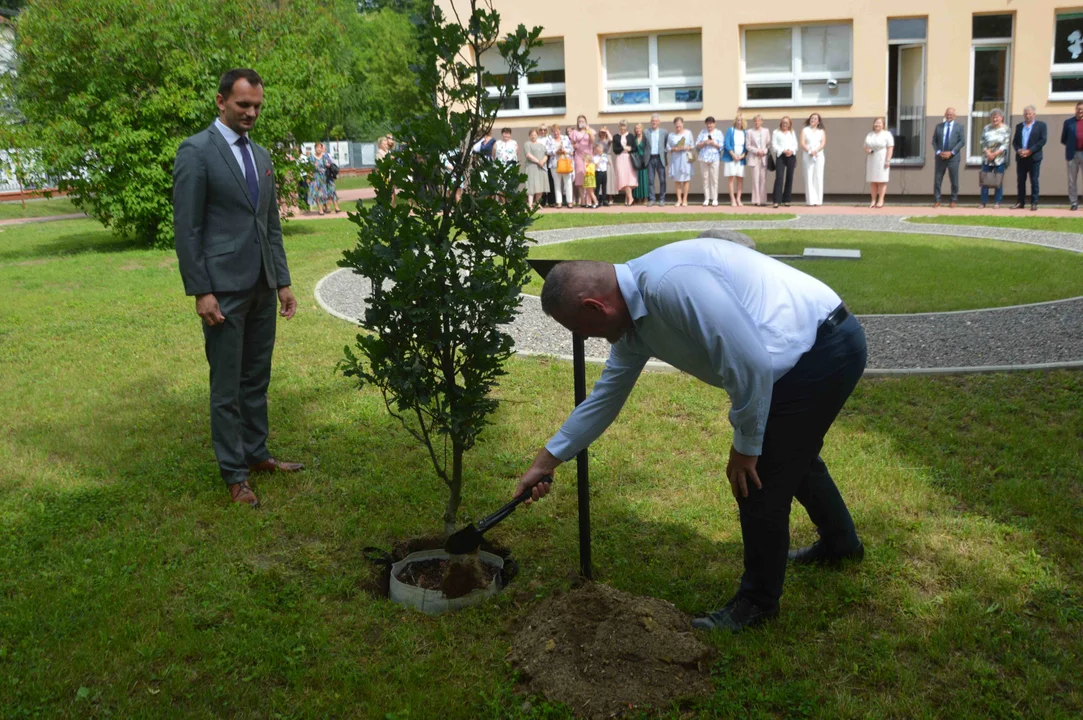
point(955, 142)
point(663, 136)
point(222, 241)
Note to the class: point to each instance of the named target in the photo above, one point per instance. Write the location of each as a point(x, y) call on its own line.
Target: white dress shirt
point(783, 141)
point(654, 135)
point(730, 316)
point(231, 139)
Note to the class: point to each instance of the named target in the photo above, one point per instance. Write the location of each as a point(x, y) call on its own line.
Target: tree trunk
point(456, 487)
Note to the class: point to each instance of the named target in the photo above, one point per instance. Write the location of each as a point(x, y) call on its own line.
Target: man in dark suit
point(1030, 138)
point(948, 142)
point(229, 244)
point(1072, 139)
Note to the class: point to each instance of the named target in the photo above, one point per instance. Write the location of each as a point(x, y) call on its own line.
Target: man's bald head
point(583, 296)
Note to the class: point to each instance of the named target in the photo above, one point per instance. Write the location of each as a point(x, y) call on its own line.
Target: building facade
point(849, 60)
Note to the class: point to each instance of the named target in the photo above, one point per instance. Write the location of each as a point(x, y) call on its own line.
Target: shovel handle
point(490, 520)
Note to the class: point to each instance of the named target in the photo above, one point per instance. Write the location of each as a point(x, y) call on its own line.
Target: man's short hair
point(230, 78)
point(570, 281)
point(1031, 108)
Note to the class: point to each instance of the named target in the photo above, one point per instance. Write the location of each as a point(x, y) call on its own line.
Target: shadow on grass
point(99, 241)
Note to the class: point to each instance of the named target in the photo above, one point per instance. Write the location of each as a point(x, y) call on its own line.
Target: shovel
point(469, 538)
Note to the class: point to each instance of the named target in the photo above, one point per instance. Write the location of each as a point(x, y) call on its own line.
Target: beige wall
point(582, 24)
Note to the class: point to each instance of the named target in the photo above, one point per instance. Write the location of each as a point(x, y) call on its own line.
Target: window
point(799, 65)
point(653, 72)
point(539, 92)
point(990, 75)
point(1066, 75)
point(906, 88)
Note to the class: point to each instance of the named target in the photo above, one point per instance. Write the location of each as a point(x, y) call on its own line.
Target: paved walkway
point(1021, 337)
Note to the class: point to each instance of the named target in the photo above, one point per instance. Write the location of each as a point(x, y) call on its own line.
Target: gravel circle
point(999, 338)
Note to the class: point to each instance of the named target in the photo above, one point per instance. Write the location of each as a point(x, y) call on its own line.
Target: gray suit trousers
point(952, 166)
point(239, 354)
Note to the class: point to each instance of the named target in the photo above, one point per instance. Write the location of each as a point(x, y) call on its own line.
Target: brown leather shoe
point(242, 493)
point(936, 204)
point(952, 204)
point(271, 465)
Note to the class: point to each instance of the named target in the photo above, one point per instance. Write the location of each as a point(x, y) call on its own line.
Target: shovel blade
point(464, 541)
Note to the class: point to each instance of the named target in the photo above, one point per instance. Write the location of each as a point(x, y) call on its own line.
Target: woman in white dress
point(734, 157)
point(880, 146)
point(813, 142)
point(680, 146)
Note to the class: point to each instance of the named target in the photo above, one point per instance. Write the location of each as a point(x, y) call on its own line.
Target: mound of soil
point(603, 652)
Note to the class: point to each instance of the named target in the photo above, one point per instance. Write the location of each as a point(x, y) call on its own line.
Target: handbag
point(771, 160)
point(990, 179)
point(564, 165)
point(638, 161)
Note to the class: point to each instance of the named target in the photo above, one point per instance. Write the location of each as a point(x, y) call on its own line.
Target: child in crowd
point(601, 168)
point(590, 181)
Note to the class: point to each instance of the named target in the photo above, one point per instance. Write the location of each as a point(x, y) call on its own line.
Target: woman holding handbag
point(784, 148)
point(560, 161)
point(681, 156)
point(624, 175)
point(996, 138)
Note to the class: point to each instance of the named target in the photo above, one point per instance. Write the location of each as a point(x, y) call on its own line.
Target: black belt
point(837, 317)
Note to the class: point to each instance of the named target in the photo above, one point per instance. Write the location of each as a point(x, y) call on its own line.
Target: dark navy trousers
point(804, 403)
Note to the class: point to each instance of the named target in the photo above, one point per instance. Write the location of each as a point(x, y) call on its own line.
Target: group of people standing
point(568, 167)
point(573, 166)
point(998, 144)
point(314, 173)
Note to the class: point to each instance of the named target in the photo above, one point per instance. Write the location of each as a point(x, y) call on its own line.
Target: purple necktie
point(249, 170)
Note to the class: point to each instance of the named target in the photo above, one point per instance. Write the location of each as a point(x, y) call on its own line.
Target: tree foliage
point(445, 274)
point(110, 88)
point(385, 46)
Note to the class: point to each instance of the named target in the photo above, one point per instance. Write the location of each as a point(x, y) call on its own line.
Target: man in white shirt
point(782, 345)
point(657, 159)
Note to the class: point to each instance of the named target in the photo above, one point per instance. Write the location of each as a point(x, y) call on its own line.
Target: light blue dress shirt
point(1026, 134)
point(730, 316)
point(231, 139)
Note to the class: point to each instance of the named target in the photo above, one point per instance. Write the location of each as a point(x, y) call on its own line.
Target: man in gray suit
point(948, 142)
point(229, 244)
point(655, 138)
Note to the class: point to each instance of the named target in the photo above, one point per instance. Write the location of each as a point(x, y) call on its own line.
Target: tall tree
point(111, 87)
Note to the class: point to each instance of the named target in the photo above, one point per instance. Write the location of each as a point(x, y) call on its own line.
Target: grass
point(1055, 224)
point(352, 182)
point(558, 220)
point(897, 273)
point(11, 210)
point(130, 588)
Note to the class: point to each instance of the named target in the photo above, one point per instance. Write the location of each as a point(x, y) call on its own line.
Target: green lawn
point(897, 272)
point(130, 588)
point(352, 182)
point(37, 208)
point(1019, 220)
point(558, 220)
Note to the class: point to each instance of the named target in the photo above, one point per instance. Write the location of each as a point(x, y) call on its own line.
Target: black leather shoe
point(1075, 206)
point(1034, 207)
point(738, 614)
point(818, 554)
point(1018, 206)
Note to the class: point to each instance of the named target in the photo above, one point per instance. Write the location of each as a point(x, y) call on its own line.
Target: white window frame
point(1063, 69)
point(907, 44)
point(796, 75)
point(525, 91)
point(971, 114)
point(653, 82)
